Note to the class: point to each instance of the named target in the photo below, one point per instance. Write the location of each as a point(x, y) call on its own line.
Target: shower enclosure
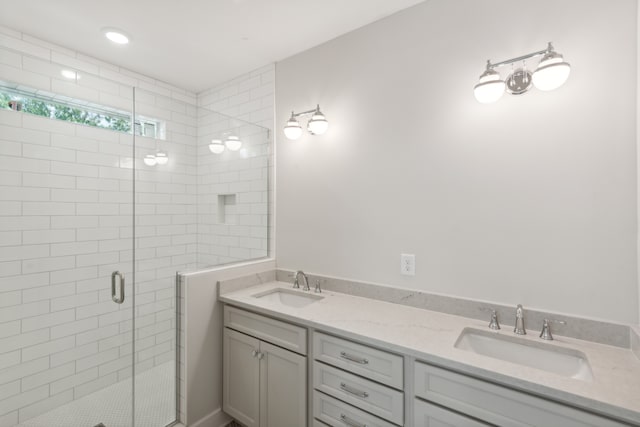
point(107, 191)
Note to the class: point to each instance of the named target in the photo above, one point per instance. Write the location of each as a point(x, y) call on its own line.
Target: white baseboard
point(215, 419)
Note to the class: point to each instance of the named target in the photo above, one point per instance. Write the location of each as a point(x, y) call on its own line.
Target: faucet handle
point(545, 334)
point(318, 290)
point(293, 276)
point(493, 324)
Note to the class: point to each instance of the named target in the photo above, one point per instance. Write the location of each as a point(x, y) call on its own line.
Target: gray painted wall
point(529, 200)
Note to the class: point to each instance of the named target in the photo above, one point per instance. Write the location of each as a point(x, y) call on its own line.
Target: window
point(84, 114)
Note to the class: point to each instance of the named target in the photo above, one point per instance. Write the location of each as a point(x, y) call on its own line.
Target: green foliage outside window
point(35, 107)
point(68, 113)
point(4, 100)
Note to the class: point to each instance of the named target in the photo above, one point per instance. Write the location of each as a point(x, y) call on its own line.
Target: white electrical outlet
point(408, 264)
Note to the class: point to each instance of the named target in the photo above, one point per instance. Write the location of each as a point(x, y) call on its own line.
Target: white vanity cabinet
point(264, 385)
point(353, 384)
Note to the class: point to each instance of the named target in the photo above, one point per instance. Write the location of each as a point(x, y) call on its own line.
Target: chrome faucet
point(305, 281)
point(519, 329)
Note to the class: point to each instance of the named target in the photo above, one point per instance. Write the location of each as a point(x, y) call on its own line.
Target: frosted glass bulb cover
point(216, 146)
point(233, 143)
point(318, 124)
point(552, 72)
point(162, 158)
point(490, 88)
point(293, 130)
point(150, 160)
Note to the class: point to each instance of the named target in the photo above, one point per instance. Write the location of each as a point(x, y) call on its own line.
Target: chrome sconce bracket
point(549, 49)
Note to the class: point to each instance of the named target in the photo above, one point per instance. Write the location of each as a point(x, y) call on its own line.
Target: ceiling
point(194, 44)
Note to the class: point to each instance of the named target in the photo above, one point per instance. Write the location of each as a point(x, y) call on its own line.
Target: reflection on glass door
point(165, 244)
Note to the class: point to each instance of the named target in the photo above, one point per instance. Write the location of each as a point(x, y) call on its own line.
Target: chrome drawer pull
point(348, 421)
point(353, 391)
point(355, 359)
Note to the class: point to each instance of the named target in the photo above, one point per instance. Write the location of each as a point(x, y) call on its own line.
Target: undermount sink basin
point(558, 360)
point(288, 297)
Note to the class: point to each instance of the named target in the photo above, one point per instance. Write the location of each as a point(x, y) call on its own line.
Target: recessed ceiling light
point(69, 74)
point(116, 36)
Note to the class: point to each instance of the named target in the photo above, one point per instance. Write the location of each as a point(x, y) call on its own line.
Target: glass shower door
point(165, 244)
point(66, 257)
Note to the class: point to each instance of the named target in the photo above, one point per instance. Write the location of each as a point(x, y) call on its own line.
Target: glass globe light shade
point(318, 123)
point(150, 160)
point(552, 72)
point(216, 146)
point(162, 158)
point(233, 143)
point(292, 129)
point(490, 88)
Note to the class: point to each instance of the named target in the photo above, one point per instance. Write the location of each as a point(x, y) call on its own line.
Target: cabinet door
point(241, 377)
point(283, 387)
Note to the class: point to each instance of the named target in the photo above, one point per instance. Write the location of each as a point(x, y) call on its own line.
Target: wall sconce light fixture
point(317, 124)
point(551, 73)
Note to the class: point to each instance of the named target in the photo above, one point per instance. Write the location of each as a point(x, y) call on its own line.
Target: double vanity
point(295, 358)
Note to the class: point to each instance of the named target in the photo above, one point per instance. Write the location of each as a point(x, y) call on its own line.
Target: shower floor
point(111, 406)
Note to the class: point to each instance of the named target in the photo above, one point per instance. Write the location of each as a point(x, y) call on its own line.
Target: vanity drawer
point(375, 398)
point(496, 404)
point(338, 414)
point(360, 359)
point(426, 414)
point(276, 332)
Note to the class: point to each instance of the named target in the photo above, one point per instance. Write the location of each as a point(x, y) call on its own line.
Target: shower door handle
point(114, 297)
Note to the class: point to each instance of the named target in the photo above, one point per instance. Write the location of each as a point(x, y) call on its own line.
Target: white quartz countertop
point(430, 336)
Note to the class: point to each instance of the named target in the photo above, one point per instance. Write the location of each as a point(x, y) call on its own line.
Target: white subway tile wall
point(246, 174)
point(66, 222)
